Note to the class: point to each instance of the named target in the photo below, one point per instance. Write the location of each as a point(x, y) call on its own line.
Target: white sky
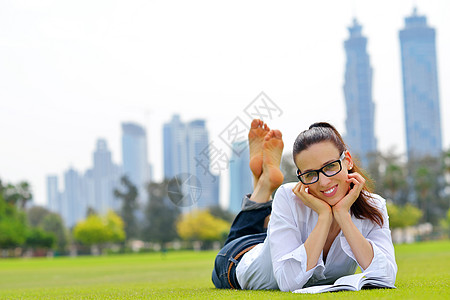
point(72, 71)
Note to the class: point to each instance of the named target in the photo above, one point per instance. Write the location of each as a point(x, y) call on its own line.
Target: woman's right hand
point(316, 204)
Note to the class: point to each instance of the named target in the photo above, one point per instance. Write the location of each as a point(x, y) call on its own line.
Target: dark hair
point(325, 132)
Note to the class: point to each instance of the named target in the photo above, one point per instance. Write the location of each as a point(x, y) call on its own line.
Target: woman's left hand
point(343, 206)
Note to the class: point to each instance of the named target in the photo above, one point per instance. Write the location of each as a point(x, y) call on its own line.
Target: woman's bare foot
point(272, 151)
point(256, 136)
point(271, 176)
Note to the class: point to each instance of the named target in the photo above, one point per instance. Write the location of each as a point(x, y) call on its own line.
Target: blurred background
point(137, 111)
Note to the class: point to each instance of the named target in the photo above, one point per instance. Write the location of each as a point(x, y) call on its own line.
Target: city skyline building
point(134, 157)
point(360, 108)
point(420, 88)
point(93, 189)
point(186, 151)
point(241, 182)
point(53, 194)
point(73, 202)
point(105, 176)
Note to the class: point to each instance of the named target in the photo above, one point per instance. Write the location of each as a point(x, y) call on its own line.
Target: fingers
point(357, 180)
point(300, 190)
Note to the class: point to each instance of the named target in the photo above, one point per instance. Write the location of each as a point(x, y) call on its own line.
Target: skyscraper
point(73, 205)
point(420, 88)
point(105, 176)
point(186, 151)
point(93, 189)
point(175, 147)
point(53, 195)
point(134, 157)
point(360, 132)
point(240, 176)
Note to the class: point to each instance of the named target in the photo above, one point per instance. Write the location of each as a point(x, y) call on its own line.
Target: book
point(354, 282)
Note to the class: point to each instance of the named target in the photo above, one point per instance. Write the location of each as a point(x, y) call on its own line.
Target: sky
point(72, 71)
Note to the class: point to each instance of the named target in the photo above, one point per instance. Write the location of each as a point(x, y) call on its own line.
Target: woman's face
point(330, 189)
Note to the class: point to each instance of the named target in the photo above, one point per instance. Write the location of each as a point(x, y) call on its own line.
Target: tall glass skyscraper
point(240, 176)
point(93, 189)
point(360, 131)
point(187, 151)
point(105, 175)
point(134, 157)
point(420, 88)
point(73, 205)
point(53, 195)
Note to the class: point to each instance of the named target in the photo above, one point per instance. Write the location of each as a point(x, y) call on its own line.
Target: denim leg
point(246, 231)
point(224, 272)
point(249, 222)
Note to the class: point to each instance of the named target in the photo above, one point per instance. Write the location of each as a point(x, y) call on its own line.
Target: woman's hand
point(316, 204)
point(343, 206)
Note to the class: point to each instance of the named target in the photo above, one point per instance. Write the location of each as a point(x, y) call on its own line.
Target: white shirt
point(290, 225)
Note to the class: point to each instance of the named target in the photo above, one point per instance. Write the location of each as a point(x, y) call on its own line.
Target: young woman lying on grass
point(321, 228)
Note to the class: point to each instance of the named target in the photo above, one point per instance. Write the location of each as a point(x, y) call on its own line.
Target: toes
point(255, 123)
point(273, 134)
point(269, 135)
point(277, 134)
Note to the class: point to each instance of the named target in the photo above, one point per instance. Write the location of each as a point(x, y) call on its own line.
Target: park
point(423, 274)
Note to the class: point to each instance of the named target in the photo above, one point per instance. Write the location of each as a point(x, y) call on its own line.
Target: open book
point(354, 282)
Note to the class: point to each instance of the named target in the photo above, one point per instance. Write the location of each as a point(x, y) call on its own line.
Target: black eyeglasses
point(328, 170)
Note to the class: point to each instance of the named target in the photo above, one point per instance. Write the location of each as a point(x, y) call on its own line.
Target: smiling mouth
point(330, 192)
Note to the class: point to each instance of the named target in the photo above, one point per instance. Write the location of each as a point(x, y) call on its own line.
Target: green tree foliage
point(38, 238)
point(17, 195)
point(421, 182)
point(129, 207)
point(41, 218)
point(445, 223)
point(161, 215)
point(13, 226)
point(96, 230)
point(36, 214)
point(403, 216)
point(394, 181)
point(429, 184)
point(54, 224)
point(202, 226)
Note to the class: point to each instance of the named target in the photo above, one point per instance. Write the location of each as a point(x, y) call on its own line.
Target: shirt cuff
point(378, 264)
point(300, 255)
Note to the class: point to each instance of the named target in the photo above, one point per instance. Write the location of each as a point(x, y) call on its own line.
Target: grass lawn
point(424, 273)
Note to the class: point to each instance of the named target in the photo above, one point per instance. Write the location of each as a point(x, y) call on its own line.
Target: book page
point(353, 280)
point(313, 289)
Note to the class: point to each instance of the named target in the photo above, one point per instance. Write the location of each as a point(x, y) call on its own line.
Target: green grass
point(424, 273)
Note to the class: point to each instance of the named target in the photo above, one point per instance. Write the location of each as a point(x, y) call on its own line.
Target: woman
point(320, 228)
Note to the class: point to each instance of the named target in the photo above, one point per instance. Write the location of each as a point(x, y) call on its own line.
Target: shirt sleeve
point(383, 263)
point(288, 252)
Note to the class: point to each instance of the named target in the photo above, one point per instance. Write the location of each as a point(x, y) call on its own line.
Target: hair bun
point(321, 124)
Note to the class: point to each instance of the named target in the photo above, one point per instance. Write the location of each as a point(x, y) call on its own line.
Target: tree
point(161, 215)
point(17, 195)
point(403, 216)
point(43, 219)
point(36, 214)
point(428, 176)
point(13, 227)
point(54, 224)
point(114, 227)
point(129, 206)
point(394, 180)
point(202, 226)
point(96, 230)
point(38, 238)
